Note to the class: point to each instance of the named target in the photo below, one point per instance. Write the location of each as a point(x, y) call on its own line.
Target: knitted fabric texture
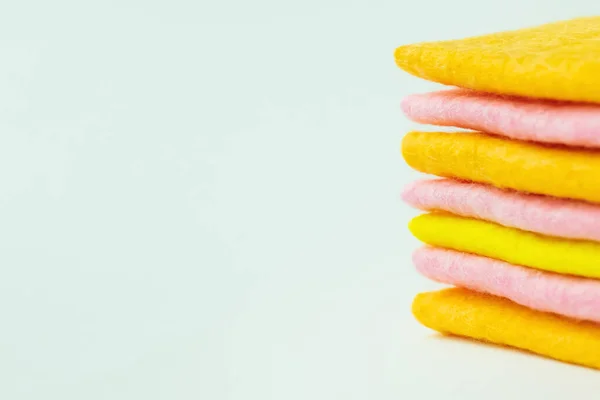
point(545, 291)
point(554, 61)
point(546, 215)
point(550, 170)
point(494, 319)
point(572, 124)
point(566, 256)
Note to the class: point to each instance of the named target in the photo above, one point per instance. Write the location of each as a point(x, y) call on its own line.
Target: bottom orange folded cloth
point(480, 316)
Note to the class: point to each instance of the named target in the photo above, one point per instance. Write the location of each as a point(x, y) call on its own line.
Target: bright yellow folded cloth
point(566, 256)
point(497, 320)
point(555, 61)
point(543, 169)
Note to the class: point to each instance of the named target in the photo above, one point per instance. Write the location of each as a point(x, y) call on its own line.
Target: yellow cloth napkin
point(524, 166)
point(565, 256)
point(558, 61)
point(493, 319)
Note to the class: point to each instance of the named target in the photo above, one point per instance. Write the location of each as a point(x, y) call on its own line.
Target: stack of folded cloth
point(514, 221)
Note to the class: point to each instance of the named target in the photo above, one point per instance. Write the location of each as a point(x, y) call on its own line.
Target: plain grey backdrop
point(200, 200)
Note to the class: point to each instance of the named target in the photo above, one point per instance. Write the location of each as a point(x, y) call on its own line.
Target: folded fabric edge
point(515, 246)
point(479, 62)
point(520, 118)
point(564, 218)
point(556, 171)
point(492, 319)
point(567, 295)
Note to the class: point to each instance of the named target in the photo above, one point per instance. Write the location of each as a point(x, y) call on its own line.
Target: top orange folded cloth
point(559, 61)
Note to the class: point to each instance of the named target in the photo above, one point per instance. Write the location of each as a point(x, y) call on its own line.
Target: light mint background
point(199, 200)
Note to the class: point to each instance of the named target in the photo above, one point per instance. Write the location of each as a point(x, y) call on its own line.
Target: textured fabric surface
point(555, 61)
point(567, 256)
point(550, 170)
point(542, 214)
point(545, 291)
point(575, 124)
point(494, 319)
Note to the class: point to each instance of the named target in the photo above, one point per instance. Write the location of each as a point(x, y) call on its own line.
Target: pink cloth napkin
point(567, 295)
point(541, 214)
point(574, 124)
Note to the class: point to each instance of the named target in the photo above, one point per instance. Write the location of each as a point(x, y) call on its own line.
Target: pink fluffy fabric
point(545, 291)
point(545, 121)
point(541, 214)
